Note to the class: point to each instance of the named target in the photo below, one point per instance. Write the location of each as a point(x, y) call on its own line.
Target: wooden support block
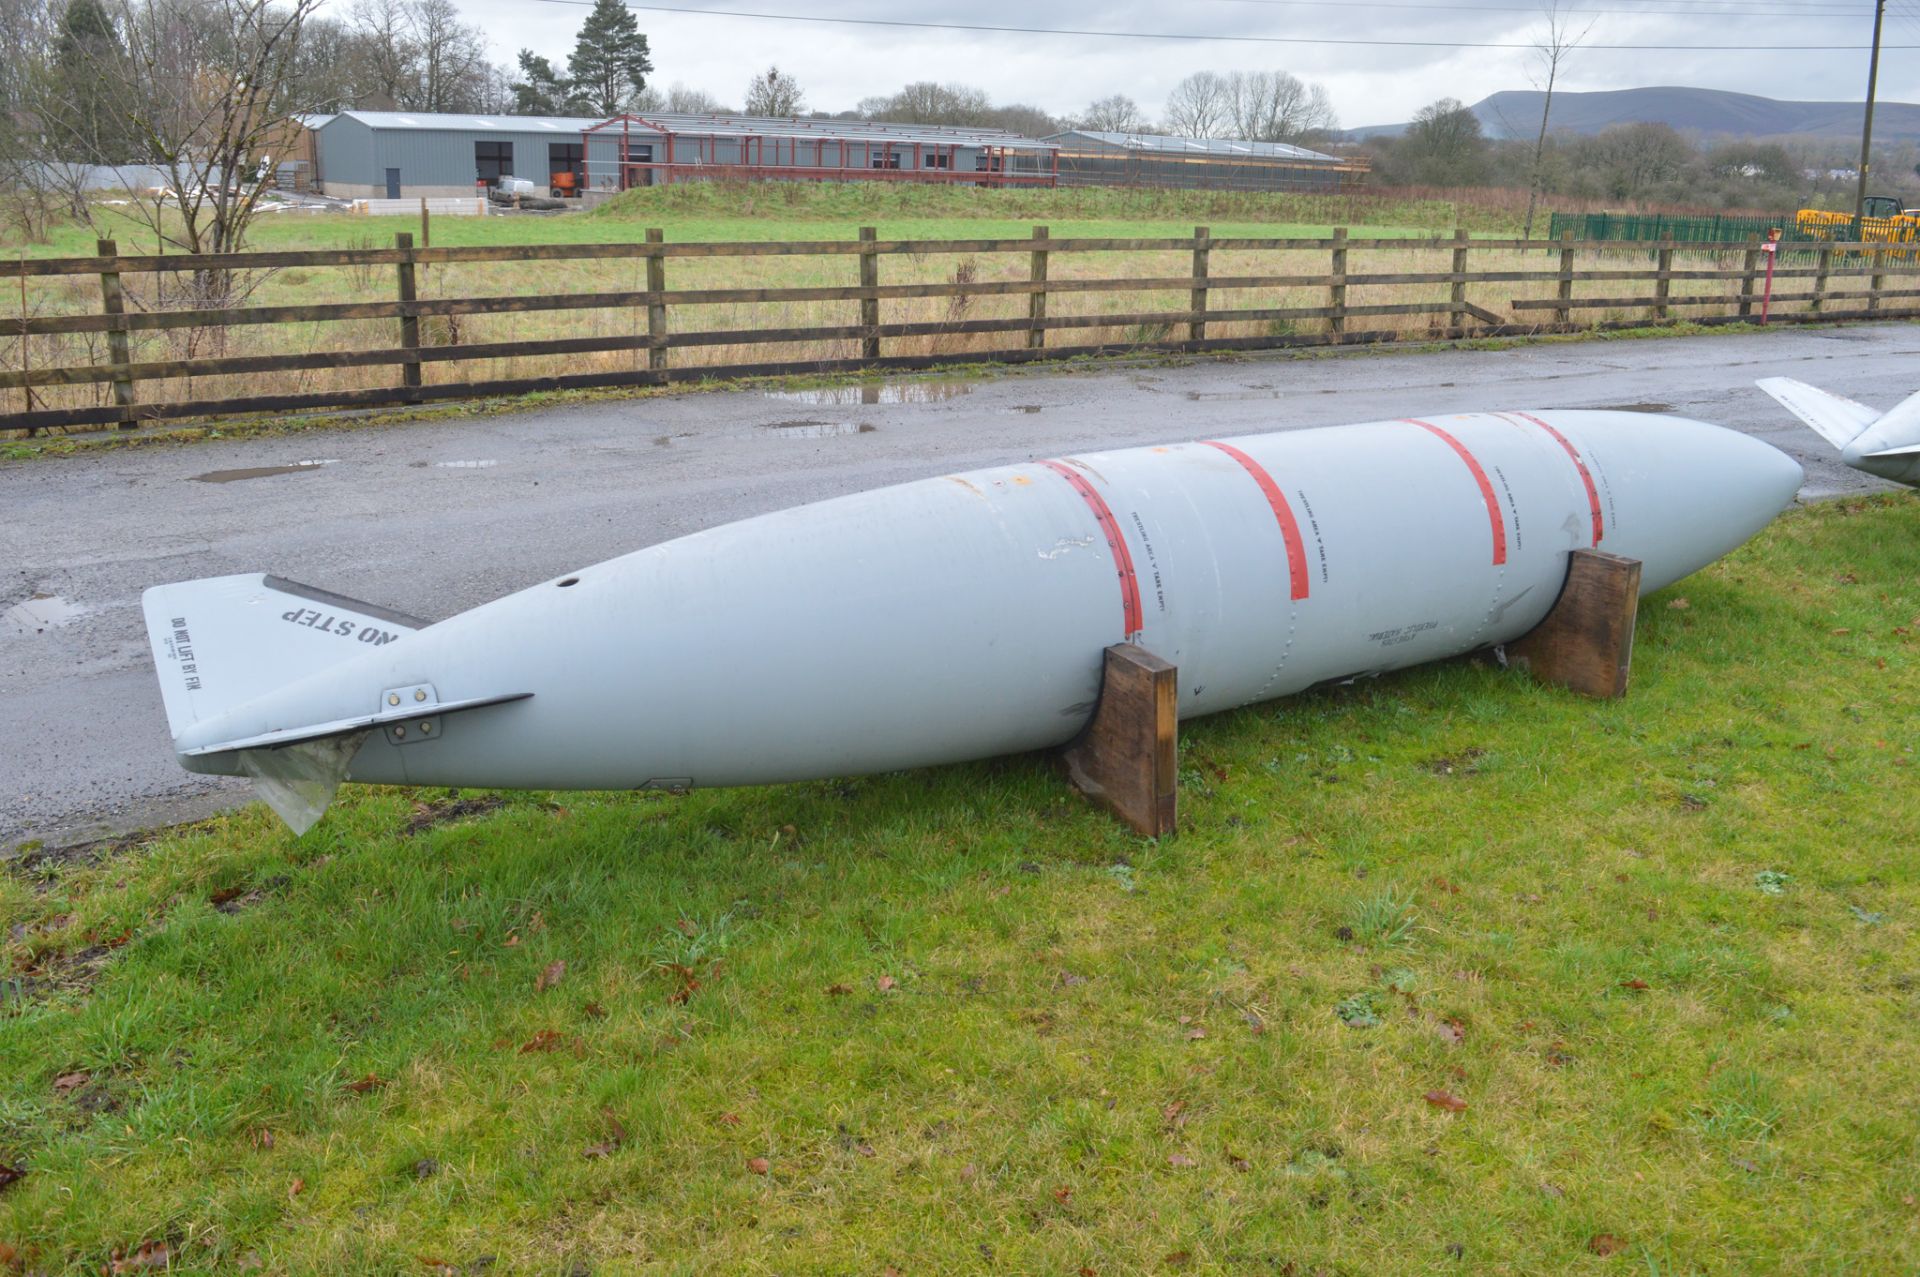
point(1126, 759)
point(1586, 642)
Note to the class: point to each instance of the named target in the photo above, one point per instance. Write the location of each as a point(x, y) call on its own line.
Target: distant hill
point(1708, 112)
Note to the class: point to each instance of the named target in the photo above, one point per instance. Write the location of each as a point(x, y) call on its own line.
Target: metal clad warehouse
point(396, 154)
point(1091, 158)
point(392, 154)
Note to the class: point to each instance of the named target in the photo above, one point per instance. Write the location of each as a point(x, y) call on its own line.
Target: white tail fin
point(1836, 419)
point(1884, 444)
point(225, 640)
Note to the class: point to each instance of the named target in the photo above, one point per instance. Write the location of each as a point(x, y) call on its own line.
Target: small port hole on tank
point(572, 580)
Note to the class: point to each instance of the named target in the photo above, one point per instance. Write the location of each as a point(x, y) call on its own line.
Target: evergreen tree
point(539, 90)
point(89, 60)
point(610, 63)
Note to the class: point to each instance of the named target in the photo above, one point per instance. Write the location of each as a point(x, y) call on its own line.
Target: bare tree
point(450, 58)
point(386, 53)
point(775, 93)
point(1200, 105)
point(1116, 114)
point(1558, 41)
point(685, 100)
point(1277, 106)
point(926, 102)
point(208, 87)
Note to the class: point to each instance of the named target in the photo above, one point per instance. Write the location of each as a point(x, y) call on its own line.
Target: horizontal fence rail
point(1742, 281)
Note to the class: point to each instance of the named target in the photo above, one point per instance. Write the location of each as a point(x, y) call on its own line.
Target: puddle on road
point(1219, 396)
point(817, 429)
point(1632, 407)
point(1028, 408)
point(666, 441)
point(464, 465)
point(848, 396)
point(260, 472)
point(41, 612)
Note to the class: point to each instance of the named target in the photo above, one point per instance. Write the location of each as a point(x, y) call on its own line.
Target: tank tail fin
point(223, 641)
point(1883, 444)
point(1836, 419)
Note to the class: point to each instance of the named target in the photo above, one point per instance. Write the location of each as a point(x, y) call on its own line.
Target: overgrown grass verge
point(1446, 972)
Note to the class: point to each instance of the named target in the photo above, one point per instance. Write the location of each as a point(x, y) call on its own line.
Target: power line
point(1202, 37)
point(1779, 9)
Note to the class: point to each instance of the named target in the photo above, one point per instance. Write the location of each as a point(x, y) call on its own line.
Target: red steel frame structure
point(832, 159)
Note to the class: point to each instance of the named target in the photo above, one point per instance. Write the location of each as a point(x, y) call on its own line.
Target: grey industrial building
point(1091, 158)
point(393, 154)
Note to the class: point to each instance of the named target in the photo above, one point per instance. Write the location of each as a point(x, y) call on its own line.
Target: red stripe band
point(1282, 514)
point(1480, 477)
point(1122, 559)
point(1586, 476)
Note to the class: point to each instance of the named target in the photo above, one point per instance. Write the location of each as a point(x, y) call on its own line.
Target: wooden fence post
point(1820, 279)
point(426, 225)
point(114, 302)
point(1337, 289)
point(1876, 281)
point(1563, 313)
point(26, 354)
point(869, 304)
point(1749, 270)
point(1458, 294)
point(409, 321)
point(1037, 299)
point(656, 309)
point(1197, 299)
point(1663, 279)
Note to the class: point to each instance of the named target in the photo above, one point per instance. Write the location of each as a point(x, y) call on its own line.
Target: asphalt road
point(434, 518)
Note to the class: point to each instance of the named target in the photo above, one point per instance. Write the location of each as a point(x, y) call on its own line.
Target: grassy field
point(1444, 973)
point(787, 212)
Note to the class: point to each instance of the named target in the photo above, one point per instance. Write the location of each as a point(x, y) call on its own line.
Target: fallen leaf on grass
point(438, 1265)
point(1238, 1162)
point(839, 990)
point(262, 1138)
point(551, 976)
point(11, 1174)
point(371, 1082)
point(544, 1040)
point(1196, 1033)
point(1679, 605)
point(71, 1081)
point(759, 1165)
point(886, 983)
point(1634, 984)
point(512, 941)
point(1452, 1032)
point(1180, 1159)
point(1604, 1244)
point(729, 1119)
point(147, 1255)
point(1063, 1195)
point(687, 927)
point(594, 1011)
point(1446, 1100)
point(1088, 1272)
point(296, 1188)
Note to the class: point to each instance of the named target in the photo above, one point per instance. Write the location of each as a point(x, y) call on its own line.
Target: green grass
point(1664, 950)
point(790, 211)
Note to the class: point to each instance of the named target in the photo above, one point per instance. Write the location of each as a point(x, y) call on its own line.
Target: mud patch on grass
point(1460, 764)
point(445, 812)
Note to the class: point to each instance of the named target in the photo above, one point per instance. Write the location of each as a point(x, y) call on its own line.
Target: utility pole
point(1866, 129)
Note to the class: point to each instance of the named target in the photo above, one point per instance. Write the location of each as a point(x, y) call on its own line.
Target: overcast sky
point(837, 65)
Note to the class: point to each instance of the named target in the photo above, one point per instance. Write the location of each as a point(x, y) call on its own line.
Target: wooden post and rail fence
point(1721, 280)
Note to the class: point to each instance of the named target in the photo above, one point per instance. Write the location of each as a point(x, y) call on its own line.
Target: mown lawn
point(1445, 973)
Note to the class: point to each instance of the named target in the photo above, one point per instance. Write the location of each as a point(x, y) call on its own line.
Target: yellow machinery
point(1884, 222)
